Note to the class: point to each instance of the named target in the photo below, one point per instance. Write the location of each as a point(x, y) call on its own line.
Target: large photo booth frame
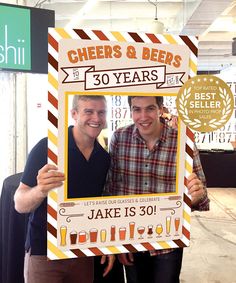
point(72, 77)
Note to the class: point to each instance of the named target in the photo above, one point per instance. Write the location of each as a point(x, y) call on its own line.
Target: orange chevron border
point(54, 36)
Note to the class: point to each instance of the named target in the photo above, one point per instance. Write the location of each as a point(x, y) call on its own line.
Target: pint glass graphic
point(168, 220)
point(131, 230)
point(73, 237)
point(113, 233)
point(103, 235)
point(83, 237)
point(93, 233)
point(63, 232)
point(122, 233)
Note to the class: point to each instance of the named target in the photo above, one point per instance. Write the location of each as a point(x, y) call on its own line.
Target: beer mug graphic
point(82, 237)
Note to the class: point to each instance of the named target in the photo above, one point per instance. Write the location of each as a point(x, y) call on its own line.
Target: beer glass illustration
point(113, 233)
point(93, 234)
point(103, 235)
point(168, 222)
point(63, 232)
point(159, 230)
point(150, 231)
point(73, 237)
point(122, 233)
point(131, 230)
point(141, 230)
point(177, 222)
point(82, 237)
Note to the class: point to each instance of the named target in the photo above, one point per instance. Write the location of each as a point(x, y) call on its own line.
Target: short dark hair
point(159, 100)
point(77, 98)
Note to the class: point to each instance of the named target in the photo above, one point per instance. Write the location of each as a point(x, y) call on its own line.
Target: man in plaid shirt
point(143, 160)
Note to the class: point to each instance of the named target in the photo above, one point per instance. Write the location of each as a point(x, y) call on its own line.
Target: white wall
point(37, 98)
point(23, 118)
point(7, 122)
point(12, 123)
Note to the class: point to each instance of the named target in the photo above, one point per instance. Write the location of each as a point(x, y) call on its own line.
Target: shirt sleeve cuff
point(203, 204)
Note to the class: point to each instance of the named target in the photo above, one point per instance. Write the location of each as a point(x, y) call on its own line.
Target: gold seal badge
point(205, 103)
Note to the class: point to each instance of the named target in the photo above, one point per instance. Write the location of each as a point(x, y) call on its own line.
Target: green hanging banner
point(15, 41)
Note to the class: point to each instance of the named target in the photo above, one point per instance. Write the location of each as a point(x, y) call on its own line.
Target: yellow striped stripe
point(120, 93)
point(186, 216)
point(118, 36)
point(164, 245)
point(113, 249)
point(52, 138)
point(56, 251)
point(62, 33)
point(170, 39)
point(53, 195)
point(188, 167)
point(193, 66)
point(53, 81)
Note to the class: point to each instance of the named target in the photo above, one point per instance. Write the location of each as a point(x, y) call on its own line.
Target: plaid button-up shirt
point(137, 170)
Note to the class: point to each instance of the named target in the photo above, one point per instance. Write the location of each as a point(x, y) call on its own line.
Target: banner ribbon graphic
point(122, 77)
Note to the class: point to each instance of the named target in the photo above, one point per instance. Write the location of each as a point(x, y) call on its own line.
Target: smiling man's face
point(146, 116)
point(90, 116)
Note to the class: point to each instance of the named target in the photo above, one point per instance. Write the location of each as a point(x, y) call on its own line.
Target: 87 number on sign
point(120, 112)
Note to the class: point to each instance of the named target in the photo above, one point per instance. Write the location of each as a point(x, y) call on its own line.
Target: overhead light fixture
point(156, 26)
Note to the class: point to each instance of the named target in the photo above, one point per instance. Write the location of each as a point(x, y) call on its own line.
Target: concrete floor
point(211, 257)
